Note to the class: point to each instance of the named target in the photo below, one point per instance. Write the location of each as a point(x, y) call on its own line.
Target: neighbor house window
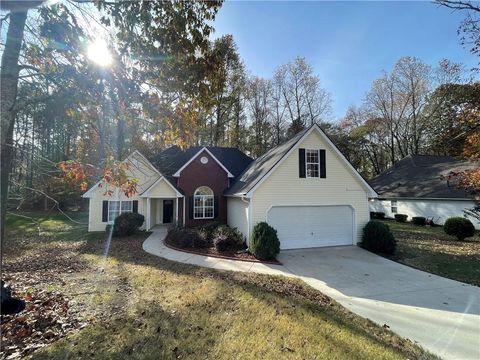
point(312, 163)
point(203, 203)
point(116, 208)
point(393, 206)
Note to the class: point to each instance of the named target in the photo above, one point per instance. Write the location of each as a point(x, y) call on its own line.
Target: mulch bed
point(231, 255)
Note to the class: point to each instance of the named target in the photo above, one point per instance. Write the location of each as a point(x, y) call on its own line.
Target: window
point(116, 208)
point(393, 206)
point(203, 203)
point(312, 163)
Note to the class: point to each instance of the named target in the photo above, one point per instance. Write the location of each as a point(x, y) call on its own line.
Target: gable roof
point(177, 173)
point(260, 169)
point(420, 176)
point(173, 159)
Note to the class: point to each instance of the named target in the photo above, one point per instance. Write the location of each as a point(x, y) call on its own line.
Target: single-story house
point(418, 186)
point(304, 188)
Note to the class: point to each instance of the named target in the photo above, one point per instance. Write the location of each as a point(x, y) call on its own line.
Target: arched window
point(203, 203)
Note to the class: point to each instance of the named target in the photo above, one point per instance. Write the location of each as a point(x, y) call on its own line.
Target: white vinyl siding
point(440, 210)
point(283, 187)
point(237, 214)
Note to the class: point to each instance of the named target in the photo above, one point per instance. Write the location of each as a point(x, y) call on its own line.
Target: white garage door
point(312, 226)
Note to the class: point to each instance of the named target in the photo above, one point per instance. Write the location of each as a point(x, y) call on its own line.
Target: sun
point(98, 52)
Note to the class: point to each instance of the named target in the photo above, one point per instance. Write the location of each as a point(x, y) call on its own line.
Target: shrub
point(459, 227)
point(186, 238)
point(264, 243)
point(127, 224)
point(401, 217)
point(419, 220)
point(226, 238)
point(377, 215)
point(207, 230)
point(378, 238)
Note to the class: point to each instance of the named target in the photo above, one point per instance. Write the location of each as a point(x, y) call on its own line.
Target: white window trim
point(307, 163)
point(119, 209)
point(203, 206)
point(394, 204)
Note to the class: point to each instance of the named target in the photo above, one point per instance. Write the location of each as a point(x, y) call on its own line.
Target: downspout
point(248, 217)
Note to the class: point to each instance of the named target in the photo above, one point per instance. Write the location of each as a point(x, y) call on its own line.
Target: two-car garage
point(312, 226)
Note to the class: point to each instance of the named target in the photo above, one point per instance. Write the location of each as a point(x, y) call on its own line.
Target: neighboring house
point(417, 186)
point(304, 188)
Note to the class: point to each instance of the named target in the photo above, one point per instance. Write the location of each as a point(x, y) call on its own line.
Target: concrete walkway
point(439, 314)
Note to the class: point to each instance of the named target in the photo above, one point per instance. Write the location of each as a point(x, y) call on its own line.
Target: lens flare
point(98, 52)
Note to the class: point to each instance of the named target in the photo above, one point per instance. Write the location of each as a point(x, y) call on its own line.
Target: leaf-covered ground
point(430, 249)
point(130, 304)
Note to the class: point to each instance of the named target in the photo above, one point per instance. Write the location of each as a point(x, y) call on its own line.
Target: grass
point(140, 306)
point(430, 249)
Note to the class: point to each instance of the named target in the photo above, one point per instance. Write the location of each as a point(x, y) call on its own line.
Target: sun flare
point(98, 52)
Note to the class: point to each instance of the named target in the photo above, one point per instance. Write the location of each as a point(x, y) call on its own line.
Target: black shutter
point(190, 207)
point(323, 167)
point(135, 206)
point(301, 163)
point(215, 207)
point(105, 211)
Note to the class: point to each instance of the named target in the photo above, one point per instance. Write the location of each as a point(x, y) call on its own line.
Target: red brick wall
point(210, 174)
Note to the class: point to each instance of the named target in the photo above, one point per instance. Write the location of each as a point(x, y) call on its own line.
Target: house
point(304, 188)
point(417, 186)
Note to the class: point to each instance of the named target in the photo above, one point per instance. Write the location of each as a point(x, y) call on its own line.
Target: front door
point(167, 211)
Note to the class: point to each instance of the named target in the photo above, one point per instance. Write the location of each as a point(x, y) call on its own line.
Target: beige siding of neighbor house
point(284, 186)
point(138, 169)
point(237, 215)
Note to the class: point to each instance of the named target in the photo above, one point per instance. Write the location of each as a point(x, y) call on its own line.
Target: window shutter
point(135, 206)
point(105, 211)
point(301, 163)
point(323, 167)
point(190, 207)
point(215, 206)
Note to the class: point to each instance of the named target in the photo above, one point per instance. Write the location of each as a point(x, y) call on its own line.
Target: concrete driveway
point(439, 314)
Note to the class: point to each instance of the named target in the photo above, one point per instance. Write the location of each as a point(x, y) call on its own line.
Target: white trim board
point(177, 174)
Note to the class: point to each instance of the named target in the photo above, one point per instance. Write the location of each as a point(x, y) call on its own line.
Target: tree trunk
point(9, 83)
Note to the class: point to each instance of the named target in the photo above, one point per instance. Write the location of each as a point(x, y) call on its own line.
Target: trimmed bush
point(459, 227)
point(419, 220)
point(186, 238)
point(401, 217)
point(264, 243)
point(127, 224)
point(206, 231)
point(378, 238)
point(226, 238)
point(377, 215)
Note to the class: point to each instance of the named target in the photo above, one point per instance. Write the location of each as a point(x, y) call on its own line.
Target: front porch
point(161, 211)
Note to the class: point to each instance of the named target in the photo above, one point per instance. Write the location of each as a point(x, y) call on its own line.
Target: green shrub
point(419, 220)
point(186, 238)
point(127, 224)
point(378, 238)
point(226, 238)
point(377, 215)
point(264, 243)
point(401, 217)
point(459, 227)
point(206, 230)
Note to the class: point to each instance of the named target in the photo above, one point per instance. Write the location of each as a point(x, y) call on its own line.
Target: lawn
point(431, 250)
point(130, 304)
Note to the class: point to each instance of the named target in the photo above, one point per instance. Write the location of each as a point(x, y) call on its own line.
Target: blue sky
point(348, 43)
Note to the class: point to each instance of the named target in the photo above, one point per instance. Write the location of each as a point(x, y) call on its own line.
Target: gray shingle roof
point(420, 176)
point(173, 158)
point(261, 166)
